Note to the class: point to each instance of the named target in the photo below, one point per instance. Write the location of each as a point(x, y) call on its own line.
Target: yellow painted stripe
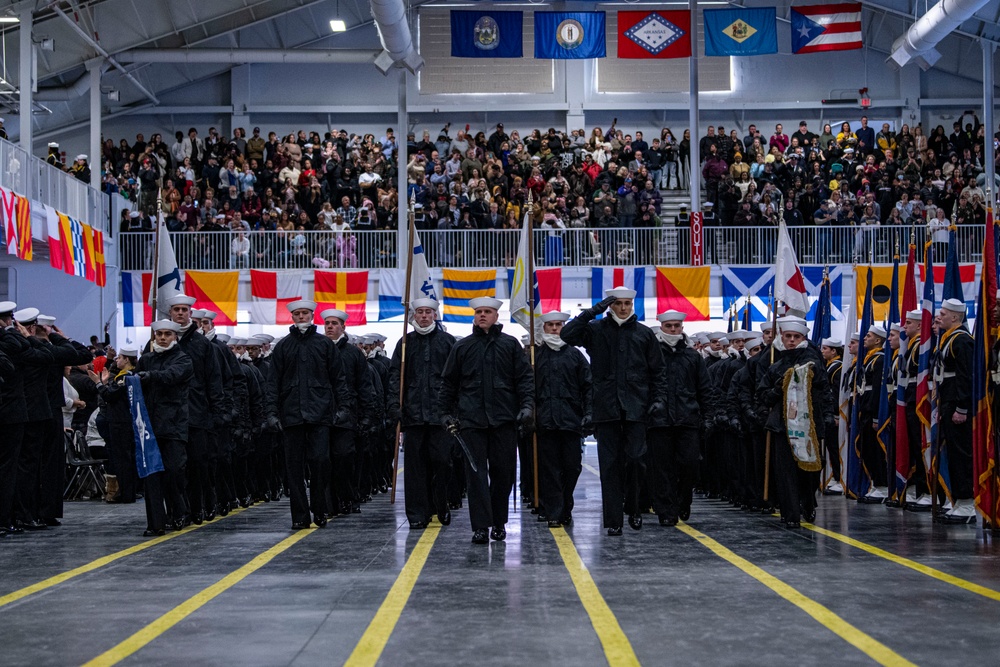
point(862, 641)
point(591, 469)
point(617, 648)
point(906, 562)
point(100, 562)
point(147, 634)
point(376, 636)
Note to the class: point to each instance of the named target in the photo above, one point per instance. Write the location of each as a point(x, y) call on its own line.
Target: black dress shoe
point(34, 524)
point(792, 524)
point(356, 508)
point(615, 532)
point(300, 525)
point(567, 520)
point(499, 534)
point(198, 519)
point(668, 521)
point(210, 515)
point(455, 506)
point(445, 519)
point(149, 532)
point(635, 522)
point(480, 537)
point(320, 521)
point(418, 525)
point(276, 496)
point(684, 514)
point(223, 509)
point(542, 517)
point(555, 524)
point(52, 522)
point(810, 516)
point(14, 530)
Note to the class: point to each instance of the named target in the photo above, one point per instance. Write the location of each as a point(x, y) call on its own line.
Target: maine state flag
point(569, 35)
point(487, 34)
point(740, 32)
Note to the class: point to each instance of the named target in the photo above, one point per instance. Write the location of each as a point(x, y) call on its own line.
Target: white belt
point(941, 375)
point(905, 382)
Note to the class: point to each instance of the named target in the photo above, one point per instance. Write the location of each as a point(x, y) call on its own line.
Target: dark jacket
point(625, 362)
point(234, 383)
point(486, 380)
point(359, 386)
point(564, 389)
point(36, 393)
point(166, 380)
point(27, 359)
point(955, 352)
point(67, 352)
point(869, 398)
point(114, 399)
point(307, 381)
point(209, 404)
point(425, 358)
point(692, 399)
point(770, 394)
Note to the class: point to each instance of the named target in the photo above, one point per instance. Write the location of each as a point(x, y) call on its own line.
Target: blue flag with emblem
point(487, 34)
point(886, 407)
point(741, 31)
point(822, 322)
point(857, 478)
point(569, 35)
point(147, 452)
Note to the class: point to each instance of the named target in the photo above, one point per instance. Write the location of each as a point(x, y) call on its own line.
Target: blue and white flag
point(147, 452)
point(758, 281)
point(741, 31)
point(168, 276)
point(421, 285)
point(487, 34)
point(569, 35)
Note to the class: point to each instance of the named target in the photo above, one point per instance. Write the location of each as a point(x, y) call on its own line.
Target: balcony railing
point(572, 247)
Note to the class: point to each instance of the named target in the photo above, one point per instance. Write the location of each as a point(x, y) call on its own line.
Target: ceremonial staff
point(773, 307)
point(531, 337)
point(402, 358)
point(156, 256)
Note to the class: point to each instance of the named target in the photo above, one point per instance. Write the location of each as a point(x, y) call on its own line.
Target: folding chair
point(85, 474)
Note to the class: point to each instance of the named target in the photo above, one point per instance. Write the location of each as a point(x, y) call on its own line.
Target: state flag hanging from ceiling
point(487, 34)
point(834, 27)
point(660, 34)
point(569, 35)
point(741, 31)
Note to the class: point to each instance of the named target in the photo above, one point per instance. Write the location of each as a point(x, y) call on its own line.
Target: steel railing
point(638, 246)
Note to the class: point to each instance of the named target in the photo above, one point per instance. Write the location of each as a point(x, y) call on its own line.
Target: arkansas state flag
point(214, 290)
point(684, 289)
point(835, 27)
point(346, 290)
point(270, 294)
point(662, 34)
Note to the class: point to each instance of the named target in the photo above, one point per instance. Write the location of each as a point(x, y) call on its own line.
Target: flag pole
point(155, 286)
point(767, 441)
point(530, 279)
point(402, 350)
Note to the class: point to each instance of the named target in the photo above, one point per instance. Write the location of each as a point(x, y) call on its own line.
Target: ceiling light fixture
point(338, 25)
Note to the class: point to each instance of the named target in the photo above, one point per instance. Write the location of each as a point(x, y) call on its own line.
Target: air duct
point(245, 56)
point(917, 44)
point(394, 32)
point(64, 94)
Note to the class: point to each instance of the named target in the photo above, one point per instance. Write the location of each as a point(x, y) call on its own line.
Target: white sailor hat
point(197, 312)
point(334, 312)
point(134, 214)
point(7, 307)
point(267, 338)
point(377, 337)
point(554, 316)
point(368, 339)
point(255, 341)
point(166, 325)
point(832, 342)
point(237, 342)
point(82, 156)
point(715, 335)
point(894, 327)
point(766, 326)
point(855, 337)
point(878, 331)
point(26, 315)
point(129, 350)
point(301, 304)
point(751, 343)
point(53, 144)
point(790, 318)
point(954, 305)
point(701, 337)
point(739, 334)
point(47, 320)
point(424, 303)
point(210, 314)
point(671, 316)
point(917, 315)
point(707, 204)
point(222, 337)
point(485, 302)
point(180, 300)
point(724, 340)
point(795, 326)
point(620, 292)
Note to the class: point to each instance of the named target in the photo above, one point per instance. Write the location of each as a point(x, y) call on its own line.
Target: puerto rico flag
point(835, 27)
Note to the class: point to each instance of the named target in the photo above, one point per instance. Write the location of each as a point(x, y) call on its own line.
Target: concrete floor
point(510, 603)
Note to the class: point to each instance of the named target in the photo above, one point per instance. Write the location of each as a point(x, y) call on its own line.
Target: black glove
point(274, 424)
point(656, 409)
point(142, 375)
point(603, 305)
point(526, 420)
point(451, 424)
point(708, 425)
point(342, 416)
point(238, 433)
point(735, 425)
point(587, 426)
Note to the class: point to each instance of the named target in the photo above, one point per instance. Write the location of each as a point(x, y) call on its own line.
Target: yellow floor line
point(862, 641)
point(161, 625)
point(376, 636)
point(617, 648)
point(906, 562)
point(100, 562)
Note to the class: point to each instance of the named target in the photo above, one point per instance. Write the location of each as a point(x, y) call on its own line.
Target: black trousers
point(914, 429)
point(831, 440)
point(52, 471)
point(796, 488)
point(342, 467)
point(307, 452)
point(427, 472)
point(526, 458)
point(495, 453)
point(202, 452)
point(957, 439)
point(167, 487)
point(10, 450)
point(872, 455)
point(621, 447)
point(674, 456)
point(121, 456)
point(560, 462)
point(29, 469)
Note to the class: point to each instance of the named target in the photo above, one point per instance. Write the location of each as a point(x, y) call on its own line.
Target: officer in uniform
point(833, 353)
point(428, 468)
point(487, 392)
point(869, 394)
point(270, 453)
point(258, 412)
point(310, 395)
point(167, 373)
point(740, 402)
point(563, 416)
point(674, 435)
point(630, 387)
point(113, 395)
point(917, 497)
point(723, 457)
point(54, 158)
point(953, 376)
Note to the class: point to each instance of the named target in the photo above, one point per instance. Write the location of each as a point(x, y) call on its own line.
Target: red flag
point(983, 442)
point(346, 290)
point(902, 462)
point(661, 34)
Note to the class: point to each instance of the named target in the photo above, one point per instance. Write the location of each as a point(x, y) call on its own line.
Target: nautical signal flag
point(214, 290)
point(548, 290)
point(634, 278)
point(136, 311)
point(684, 289)
point(16, 213)
point(346, 290)
point(881, 289)
point(76, 261)
point(740, 31)
point(270, 294)
point(967, 275)
point(758, 283)
point(486, 34)
point(834, 27)
point(52, 231)
point(100, 267)
point(460, 285)
point(569, 35)
point(660, 34)
point(391, 285)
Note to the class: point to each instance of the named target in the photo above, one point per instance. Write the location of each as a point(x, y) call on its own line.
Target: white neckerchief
point(303, 326)
point(160, 350)
point(669, 339)
point(244, 357)
point(211, 334)
point(372, 353)
point(423, 331)
point(714, 353)
point(553, 341)
point(186, 328)
point(803, 345)
point(337, 339)
point(617, 319)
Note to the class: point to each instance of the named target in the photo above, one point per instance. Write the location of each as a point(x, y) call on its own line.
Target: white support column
point(989, 154)
point(909, 92)
point(95, 123)
point(25, 81)
point(575, 73)
point(239, 96)
point(403, 209)
point(693, 112)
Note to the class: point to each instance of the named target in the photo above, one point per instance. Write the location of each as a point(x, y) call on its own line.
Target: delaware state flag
point(660, 34)
point(487, 34)
point(835, 27)
point(569, 35)
point(740, 32)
